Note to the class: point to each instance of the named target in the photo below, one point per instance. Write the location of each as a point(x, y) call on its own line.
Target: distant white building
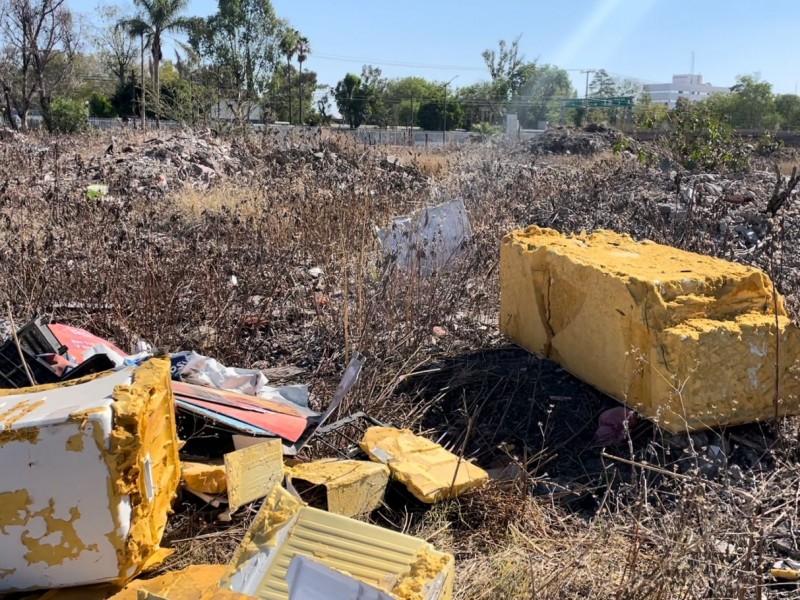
point(690, 87)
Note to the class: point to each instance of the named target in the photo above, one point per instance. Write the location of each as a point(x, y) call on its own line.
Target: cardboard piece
point(429, 471)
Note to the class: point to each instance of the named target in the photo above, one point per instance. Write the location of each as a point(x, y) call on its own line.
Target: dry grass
point(158, 264)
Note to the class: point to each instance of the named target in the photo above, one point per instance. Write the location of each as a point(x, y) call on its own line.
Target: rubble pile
point(593, 139)
point(152, 166)
point(105, 463)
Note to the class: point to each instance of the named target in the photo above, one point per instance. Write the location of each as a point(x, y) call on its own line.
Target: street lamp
point(444, 112)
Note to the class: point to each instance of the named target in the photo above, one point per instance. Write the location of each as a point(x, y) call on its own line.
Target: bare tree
point(115, 48)
point(38, 43)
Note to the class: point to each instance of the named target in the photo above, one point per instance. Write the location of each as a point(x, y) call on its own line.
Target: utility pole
point(586, 94)
point(444, 112)
point(144, 93)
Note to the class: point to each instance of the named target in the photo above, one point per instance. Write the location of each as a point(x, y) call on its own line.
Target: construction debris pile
point(108, 447)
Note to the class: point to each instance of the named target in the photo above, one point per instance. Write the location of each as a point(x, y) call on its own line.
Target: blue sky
point(648, 40)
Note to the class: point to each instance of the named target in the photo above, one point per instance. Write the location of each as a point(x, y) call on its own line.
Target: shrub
point(701, 140)
point(66, 116)
point(100, 106)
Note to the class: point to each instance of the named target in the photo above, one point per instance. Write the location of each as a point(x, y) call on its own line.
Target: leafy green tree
point(241, 41)
point(540, 95)
point(753, 104)
point(352, 100)
point(483, 102)
point(281, 97)
point(155, 19)
point(303, 50)
point(404, 96)
point(506, 67)
point(788, 108)
point(126, 99)
point(288, 48)
point(100, 106)
point(602, 85)
point(431, 115)
point(374, 85)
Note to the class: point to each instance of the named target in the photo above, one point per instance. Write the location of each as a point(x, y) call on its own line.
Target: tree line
point(244, 63)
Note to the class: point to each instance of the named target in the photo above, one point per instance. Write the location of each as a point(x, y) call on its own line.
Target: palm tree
point(155, 18)
point(288, 47)
point(303, 50)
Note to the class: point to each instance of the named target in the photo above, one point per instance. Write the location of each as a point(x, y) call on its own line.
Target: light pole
point(444, 112)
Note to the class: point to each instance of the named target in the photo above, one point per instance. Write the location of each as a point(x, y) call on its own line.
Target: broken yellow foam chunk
point(205, 478)
point(686, 340)
point(353, 487)
point(429, 471)
point(196, 582)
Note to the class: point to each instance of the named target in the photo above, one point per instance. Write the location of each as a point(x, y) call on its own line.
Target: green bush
point(66, 116)
point(100, 106)
point(701, 141)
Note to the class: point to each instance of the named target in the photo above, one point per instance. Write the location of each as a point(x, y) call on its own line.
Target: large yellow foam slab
point(429, 471)
point(686, 340)
point(352, 487)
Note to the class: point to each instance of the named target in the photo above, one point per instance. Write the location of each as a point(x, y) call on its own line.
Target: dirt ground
point(655, 517)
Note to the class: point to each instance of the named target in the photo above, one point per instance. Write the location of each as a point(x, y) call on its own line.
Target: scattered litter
point(79, 341)
point(100, 478)
point(349, 487)
point(427, 240)
point(613, 425)
point(96, 190)
point(786, 570)
point(252, 415)
point(429, 471)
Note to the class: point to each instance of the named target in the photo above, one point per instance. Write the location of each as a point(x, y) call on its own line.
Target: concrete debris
point(428, 240)
point(660, 329)
point(430, 472)
point(102, 457)
point(351, 487)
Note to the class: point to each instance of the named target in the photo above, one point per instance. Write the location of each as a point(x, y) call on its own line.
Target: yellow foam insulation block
point(686, 340)
point(89, 472)
point(205, 478)
point(406, 567)
point(353, 487)
point(196, 582)
point(252, 473)
point(429, 471)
